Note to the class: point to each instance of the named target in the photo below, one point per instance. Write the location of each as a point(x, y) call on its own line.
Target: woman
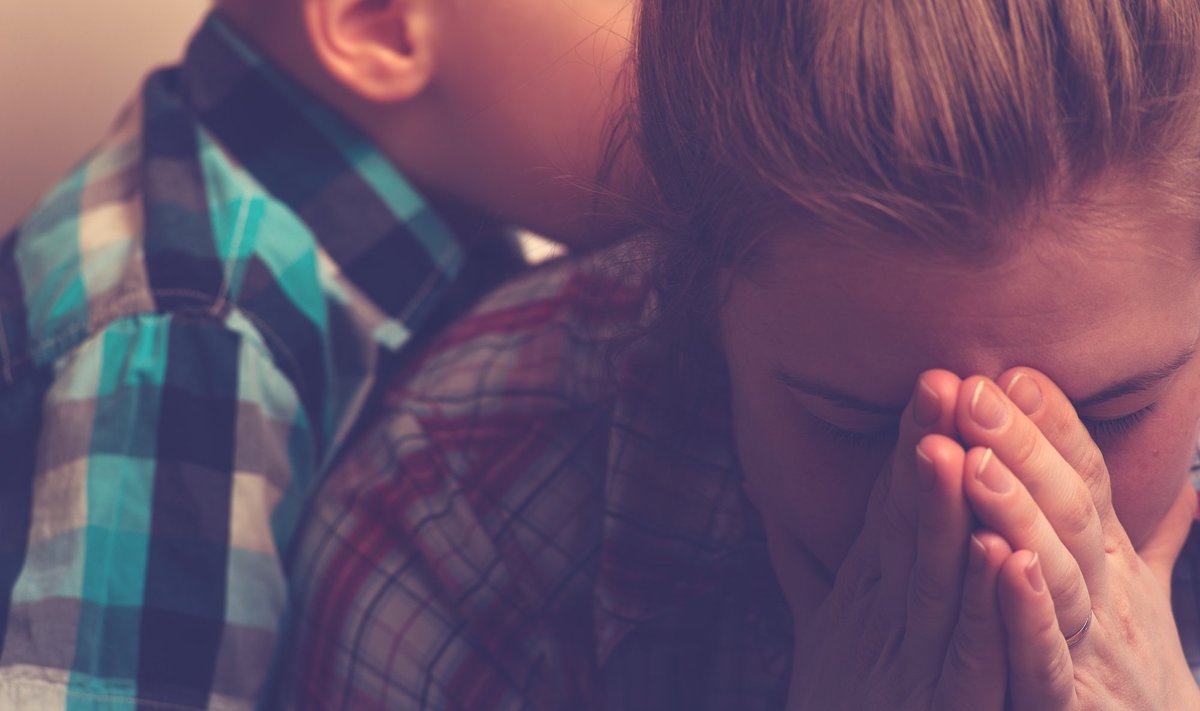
point(895, 409)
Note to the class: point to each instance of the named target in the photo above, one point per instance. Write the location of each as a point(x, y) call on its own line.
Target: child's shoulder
point(554, 334)
point(73, 264)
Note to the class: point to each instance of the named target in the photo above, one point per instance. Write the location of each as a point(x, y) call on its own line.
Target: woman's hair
point(932, 125)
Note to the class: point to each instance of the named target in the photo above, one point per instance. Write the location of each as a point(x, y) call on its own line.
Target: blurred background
point(66, 68)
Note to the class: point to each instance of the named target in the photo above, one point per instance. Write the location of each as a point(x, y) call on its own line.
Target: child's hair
point(917, 124)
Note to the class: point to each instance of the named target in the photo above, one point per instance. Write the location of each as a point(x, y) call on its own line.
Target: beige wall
point(66, 67)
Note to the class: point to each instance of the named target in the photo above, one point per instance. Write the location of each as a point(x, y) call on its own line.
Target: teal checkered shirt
point(190, 325)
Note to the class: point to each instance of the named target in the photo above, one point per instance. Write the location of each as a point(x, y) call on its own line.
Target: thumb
point(1161, 548)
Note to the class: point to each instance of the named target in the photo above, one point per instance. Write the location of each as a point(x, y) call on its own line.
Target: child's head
point(505, 105)
point(878, 188)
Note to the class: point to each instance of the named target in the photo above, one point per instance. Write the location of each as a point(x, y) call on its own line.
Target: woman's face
point(824, 348)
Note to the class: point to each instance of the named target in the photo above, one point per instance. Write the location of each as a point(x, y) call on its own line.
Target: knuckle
point(1103, 504)
point(1118, 547)
point(1090, 464)
point(856, 578)
point(1045, 630)
point(975, 616)
point(1055, 672)
point(962, 660)
point(1024, 453)
point(1126, 622)
point(1077, 514)
point(1025, 519)
point(1060, 422)
point(1072, 590)
point(926, 591)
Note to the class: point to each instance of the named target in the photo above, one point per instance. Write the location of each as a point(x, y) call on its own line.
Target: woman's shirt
point(532, 522)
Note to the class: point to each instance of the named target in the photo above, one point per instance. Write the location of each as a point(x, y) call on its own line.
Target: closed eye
point(1116, 427)
point(853, 438)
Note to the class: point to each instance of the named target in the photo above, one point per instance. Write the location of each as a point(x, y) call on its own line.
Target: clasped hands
point(989, 540)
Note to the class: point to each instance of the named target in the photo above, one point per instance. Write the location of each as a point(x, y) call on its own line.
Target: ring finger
point(1002, 503)
point(1041, 668)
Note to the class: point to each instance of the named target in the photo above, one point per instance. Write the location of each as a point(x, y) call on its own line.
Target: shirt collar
point(353, 265)
point(397, 247)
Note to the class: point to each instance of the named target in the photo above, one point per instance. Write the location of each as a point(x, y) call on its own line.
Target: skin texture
point(841, 495)
point(503, 105)
point(528, 91)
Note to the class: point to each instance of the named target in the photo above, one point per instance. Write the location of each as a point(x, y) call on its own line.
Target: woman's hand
point(912, 620)
point(1035, 477)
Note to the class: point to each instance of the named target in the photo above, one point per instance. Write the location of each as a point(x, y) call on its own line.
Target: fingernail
point(1025, 393)
point(986, 406)
point(992, 475)
point(977, 557)
point(1033, 572)
point(926, 471)
point(927, 407)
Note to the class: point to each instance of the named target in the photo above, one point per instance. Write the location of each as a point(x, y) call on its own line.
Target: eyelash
point(849, 438)
point(1099, 429)
point(1110, 429)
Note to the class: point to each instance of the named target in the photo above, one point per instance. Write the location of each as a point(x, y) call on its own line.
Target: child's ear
point(381, 50)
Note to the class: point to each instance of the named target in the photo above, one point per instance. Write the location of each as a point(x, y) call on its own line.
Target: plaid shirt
point(189, 326)
point(515, 533)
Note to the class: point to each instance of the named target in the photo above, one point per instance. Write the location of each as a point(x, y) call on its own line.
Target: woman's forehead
point(1075, 312)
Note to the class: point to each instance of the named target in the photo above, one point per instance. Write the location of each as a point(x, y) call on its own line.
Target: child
point(191, 323)
point(902, 403)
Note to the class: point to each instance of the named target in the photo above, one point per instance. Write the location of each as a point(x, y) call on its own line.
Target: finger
point(1003, 504)
point(1162, 548)
point(975, 668)
point(1041, 671)
point(943, 527)
point(884, 552)
point(860, 571)
point(930, 410)
point(987, 418)
point(1045, 404)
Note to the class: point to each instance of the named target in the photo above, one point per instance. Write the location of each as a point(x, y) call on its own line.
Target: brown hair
point(926, 124)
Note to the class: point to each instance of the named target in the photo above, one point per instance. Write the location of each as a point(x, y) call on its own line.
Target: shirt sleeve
point(168, 471)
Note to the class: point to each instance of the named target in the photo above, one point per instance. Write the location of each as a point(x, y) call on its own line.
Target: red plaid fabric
point(524, 528)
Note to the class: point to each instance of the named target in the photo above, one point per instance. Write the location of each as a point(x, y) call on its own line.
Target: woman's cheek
point(1146, 474)
point(815, 488)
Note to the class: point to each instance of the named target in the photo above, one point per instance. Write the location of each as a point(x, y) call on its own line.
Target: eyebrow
point(1137, 383)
